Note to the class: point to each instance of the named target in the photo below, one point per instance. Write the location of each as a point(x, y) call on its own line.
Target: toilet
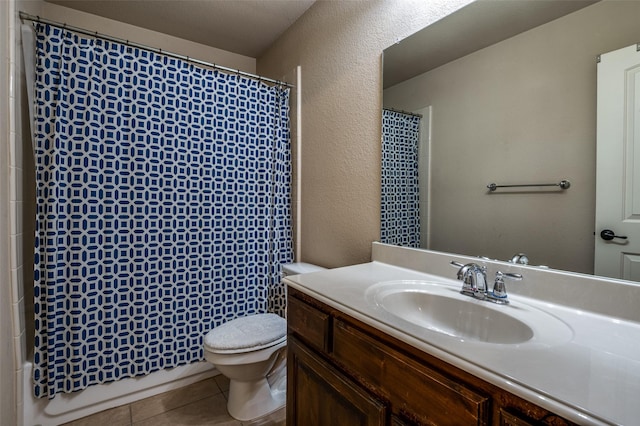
point(250, 352)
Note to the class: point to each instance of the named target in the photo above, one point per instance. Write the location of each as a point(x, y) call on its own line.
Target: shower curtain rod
point(26, 17)
point(403, 112)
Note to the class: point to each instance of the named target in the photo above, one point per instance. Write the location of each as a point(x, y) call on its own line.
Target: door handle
point(609, 235)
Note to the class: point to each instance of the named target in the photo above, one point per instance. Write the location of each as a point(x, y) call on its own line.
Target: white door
point(618, 165)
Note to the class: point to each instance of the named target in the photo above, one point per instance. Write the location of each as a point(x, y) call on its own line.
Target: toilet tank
point(299, 268)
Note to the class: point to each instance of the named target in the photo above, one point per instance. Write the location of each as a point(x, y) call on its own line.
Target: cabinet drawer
point(510, 417)
point(308, 323)
point(412, 388)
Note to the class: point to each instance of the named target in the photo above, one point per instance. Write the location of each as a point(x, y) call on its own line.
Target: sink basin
point(442, 309)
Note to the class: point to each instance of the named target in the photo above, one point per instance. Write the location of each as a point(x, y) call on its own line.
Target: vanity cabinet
point(342, 371)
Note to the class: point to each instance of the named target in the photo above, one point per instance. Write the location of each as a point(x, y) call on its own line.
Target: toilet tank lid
point(300, 268)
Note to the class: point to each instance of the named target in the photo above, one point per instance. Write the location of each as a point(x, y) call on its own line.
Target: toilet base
point(250, 400)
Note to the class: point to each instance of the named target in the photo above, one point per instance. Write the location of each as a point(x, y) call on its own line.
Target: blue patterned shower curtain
point(163, 208)
point(400, 209)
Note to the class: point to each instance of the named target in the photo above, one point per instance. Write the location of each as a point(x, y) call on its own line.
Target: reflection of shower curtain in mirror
point(163, 208)
point(400, 211)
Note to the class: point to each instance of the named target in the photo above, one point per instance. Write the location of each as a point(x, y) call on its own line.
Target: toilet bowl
point(249, 351)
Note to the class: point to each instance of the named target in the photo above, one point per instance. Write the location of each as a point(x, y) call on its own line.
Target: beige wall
point(520, 111)
point(339, 46)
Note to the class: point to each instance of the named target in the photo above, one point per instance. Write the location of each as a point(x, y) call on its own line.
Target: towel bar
point(563, 184)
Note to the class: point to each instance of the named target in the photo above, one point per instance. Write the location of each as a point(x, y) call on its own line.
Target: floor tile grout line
point(175, 409)
point(172, 409)
point(203, 396)
point(221, 385)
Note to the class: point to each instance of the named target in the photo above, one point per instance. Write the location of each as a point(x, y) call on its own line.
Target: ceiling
point(474, 27)
point(246, 27)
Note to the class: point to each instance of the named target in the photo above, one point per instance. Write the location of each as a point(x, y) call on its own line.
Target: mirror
point(507, 91)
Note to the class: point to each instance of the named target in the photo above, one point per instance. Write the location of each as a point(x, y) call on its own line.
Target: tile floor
point(202, 403)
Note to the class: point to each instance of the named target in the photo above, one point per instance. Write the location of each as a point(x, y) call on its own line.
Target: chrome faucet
point(474, 283)
point(474, 279)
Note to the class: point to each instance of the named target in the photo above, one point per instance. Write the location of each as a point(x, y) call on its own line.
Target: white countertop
point(591, 378)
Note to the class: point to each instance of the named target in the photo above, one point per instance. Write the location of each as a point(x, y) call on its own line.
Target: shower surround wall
point(9, 375)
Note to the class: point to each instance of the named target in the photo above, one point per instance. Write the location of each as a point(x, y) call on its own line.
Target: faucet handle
point(463, 270)
point(520, 259)
point(499, 293)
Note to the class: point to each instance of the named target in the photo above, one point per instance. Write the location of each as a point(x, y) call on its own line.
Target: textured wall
point(339, 46)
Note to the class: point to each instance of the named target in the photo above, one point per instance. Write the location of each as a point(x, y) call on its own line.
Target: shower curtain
point(163, 208)
point(400, 209)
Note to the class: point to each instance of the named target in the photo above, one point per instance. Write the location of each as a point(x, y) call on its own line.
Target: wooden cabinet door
point(321, 396)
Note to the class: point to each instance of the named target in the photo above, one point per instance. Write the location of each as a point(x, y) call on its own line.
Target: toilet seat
point(247, 334)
